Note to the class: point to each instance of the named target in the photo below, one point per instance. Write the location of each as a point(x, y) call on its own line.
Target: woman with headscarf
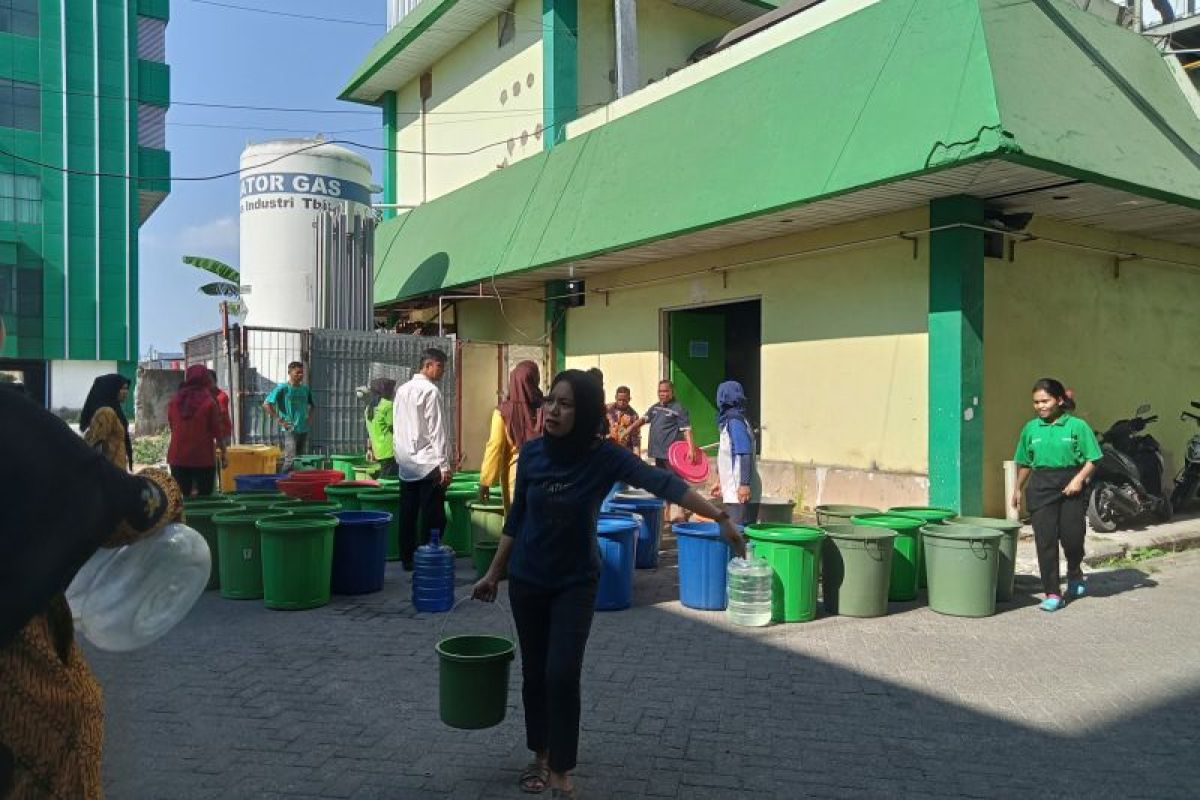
point(103, 419)
point(514, 422)
point(378, 415)
point(71, 501)
point(737, 480)
point(197, 433)
point(552, 559)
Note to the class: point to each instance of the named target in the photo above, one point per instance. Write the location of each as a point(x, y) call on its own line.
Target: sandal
point(534, 779)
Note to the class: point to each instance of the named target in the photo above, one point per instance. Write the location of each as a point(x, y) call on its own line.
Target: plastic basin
point(487, 520)
point(200, 518)
point(388, 500)
point(703, 559)
point(240, 553)
point(616, 535)
point(458, 517)
point(840, 514)
point(1006, 572)
point(473, 680)
point(794, 553)
point(906, 561)
point(964, 563)
point(359, 551)
point(297, 558)
point(856, 569)
point(258, 483)
point(650, 509)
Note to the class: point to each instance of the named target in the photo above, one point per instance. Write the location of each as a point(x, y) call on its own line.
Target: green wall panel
point(154, 83)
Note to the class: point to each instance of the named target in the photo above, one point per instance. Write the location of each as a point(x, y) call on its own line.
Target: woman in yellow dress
point(514, 422)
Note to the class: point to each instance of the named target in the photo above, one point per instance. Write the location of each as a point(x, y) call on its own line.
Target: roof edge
point(414, 25)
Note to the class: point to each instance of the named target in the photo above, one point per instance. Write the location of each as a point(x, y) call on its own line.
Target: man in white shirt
point(422, 456)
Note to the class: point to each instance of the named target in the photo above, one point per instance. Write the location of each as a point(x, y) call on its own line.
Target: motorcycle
point(1127, 484)
point(1187, 482)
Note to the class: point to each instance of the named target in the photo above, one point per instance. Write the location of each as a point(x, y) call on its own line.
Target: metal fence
point(343, 362)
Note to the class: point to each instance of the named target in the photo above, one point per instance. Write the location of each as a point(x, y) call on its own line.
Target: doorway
point(708, 345)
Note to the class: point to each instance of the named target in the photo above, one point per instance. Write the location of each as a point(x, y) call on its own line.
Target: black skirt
point(1046, 486)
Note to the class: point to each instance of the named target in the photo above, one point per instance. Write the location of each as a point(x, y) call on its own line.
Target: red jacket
point(226, 420)
point(193, 440)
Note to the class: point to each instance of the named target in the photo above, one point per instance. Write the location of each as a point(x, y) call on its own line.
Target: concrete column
point(625, 16)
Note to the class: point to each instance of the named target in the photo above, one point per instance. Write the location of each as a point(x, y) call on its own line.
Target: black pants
point(199, 478)
point(421, 501)
point(553, 627)
point(388, 468)
point(742, 513)
point(1060, 520)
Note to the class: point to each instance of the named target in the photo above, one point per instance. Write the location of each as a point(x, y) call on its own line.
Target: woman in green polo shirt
point(1056, 454)
point(378, 416)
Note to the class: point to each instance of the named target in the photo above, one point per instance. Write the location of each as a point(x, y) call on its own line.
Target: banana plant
point(229, 287)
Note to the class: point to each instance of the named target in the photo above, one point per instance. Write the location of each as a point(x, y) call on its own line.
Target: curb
point(1171, 542)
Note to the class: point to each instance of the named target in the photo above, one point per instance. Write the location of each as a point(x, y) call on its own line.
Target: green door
point(697, 355)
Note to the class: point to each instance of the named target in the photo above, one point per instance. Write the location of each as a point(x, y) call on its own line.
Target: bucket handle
point(980, 549)
point(495, 603)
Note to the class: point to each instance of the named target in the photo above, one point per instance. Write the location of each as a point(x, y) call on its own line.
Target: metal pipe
point(394, 205)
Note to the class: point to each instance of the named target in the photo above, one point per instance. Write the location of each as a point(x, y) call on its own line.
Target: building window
point(20, 105)
point(151, 39)
point(19, 17)
point(21, 289)
point(152, 126)
point(20, 199)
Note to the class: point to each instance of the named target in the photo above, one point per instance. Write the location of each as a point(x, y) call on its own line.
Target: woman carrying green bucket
point(550, 554)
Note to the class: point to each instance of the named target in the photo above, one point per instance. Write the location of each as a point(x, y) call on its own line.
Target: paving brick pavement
point(1100, 700)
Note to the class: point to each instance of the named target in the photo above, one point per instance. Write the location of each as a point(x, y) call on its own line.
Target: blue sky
point(222, 55)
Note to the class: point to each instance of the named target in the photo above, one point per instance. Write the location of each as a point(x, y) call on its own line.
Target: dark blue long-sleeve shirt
point(554, 509)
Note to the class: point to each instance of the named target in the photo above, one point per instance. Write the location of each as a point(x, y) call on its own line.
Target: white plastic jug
point(748, 584)
point(127, 597)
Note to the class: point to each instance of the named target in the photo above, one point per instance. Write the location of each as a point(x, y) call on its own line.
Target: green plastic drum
point(794, 553)
point(487, 520)
point(964, 563)
point(1006, 573)
point(856, 569)
point(385, 500)
point(389, 483)
point(934, 514)
point(840, 515)
point(347, 495)
point(482, 556)
point(297, 560)
point(906, 561)
point(240, 550)
point(346, 464)
point(256, 501)
point(458, 518)
point(200, 517)
point(473, 680)
point(310, 462)
point(307, 506)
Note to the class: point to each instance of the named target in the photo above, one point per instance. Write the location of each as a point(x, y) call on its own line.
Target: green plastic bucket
point(934, 514)
point(794, 553)
point(297, 560)
point(482, 555)
point(840, 515)
point(473, 680)
point(207, 500)
point(200, 517)
point(347, 495)
point(346, 464)
point(906, 561)
point(856, 569)
point(389, 483)
point(1006, 573)
point(240, 550)
point(310, 462)
point(255, 501)
point(385, 500)
point(458, 518)
point(307, 506)
point(964, 562)
point(487, 520)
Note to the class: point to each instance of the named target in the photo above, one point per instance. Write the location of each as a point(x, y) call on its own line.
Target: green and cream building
point(84, 90)
point(886, 217)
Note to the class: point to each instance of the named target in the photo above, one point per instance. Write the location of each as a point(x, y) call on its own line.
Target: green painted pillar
point(556, 325)
point(956, 355)
point(390, 189)
point(560, 68)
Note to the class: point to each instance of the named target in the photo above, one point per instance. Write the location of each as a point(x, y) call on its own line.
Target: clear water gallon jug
point(433, 575)
point(748, 590)
point(124, 598)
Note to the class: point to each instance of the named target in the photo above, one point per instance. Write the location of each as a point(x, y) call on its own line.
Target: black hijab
point(105, 393)
point(590, 419)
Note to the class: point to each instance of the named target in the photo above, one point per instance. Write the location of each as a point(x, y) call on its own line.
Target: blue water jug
point(433, 575)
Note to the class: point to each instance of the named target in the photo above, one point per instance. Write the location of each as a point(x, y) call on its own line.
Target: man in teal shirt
point(291, 404)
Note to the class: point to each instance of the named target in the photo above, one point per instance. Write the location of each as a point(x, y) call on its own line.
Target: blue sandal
point(1076, 589)
point(1053, 603)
